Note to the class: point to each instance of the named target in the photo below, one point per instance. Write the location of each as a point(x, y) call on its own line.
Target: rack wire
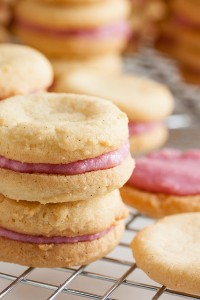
point(126, 281)
point(116, 282)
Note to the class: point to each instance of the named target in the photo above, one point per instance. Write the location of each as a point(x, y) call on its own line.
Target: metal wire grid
point(74, 273)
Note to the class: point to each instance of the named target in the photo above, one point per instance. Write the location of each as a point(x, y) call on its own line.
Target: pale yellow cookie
point(168, 252)
point(158, 205)
point(141, 99)
point(23, 70)
point(62, 219)
point(59, 255)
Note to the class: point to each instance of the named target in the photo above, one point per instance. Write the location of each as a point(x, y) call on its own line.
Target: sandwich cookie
point(165, 182)
point(168, 252)
point(62, 147)
point(145, 102)
point(73, 30)
point(61, 234)
point(22, 71)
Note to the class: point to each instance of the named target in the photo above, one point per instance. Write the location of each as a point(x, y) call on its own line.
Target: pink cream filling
point(139, 128)
point(168, 171)
point(105, 161)
point(120, 28)
point(34, 239)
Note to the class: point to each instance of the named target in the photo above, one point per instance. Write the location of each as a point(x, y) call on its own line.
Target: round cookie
point(58, 147)
point(62, 219)
point(165, 182)
point(145, 102)
point(23, 70)
point(60, 255)
point(168, 252)
point(141, 99)
point(73, 30)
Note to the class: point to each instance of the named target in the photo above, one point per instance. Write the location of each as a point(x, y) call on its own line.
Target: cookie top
point(59, 128)
point(23, 70)
point(141, 99)
point(86, 15)
point(62, 219)
point(168, 252)
point(168, 171)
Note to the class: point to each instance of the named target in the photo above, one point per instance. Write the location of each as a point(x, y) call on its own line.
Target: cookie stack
point(23, 70)
point(180, 37)
point(63, 157)
point(145, 102)
point(80, 31)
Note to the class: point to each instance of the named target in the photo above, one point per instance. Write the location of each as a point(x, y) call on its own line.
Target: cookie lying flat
point(62, 147)
point(73, 30)
point(145, 102)
point(58, 252)
point(165, 182)
point(23, 70)
point(168, 252)
point(62, 219)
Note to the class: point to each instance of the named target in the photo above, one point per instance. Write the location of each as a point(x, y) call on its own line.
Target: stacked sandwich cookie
point(179, 37)
point(76, 31)
point(23, 71)
point(145, 102)
point(64, 158)
point(165, 182)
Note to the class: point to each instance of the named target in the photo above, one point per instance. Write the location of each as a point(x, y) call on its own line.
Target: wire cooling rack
point(116, 276)
point(129, 278)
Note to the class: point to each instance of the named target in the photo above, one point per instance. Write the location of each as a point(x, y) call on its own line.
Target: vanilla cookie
point(62, 219)
point(145, 102)
point(62, 147)
point(77, 30)
point(168, 252)
point(52, 252)
point(165, 182)
point(23, 70)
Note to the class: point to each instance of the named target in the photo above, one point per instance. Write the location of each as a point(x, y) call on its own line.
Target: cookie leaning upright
point(23, 70)
point(145, 102)
point(69, 29)
point(62, 147)
point(168, 252)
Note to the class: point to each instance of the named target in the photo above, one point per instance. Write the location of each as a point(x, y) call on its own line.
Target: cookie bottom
point(146, 142)
point(159, 205)
point(63, 255)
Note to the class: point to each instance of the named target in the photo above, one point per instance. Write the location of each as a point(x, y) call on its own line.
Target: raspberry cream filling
point(139, 128)
point(168, 171)
point(34, 239)
point(120, 28)
point(105, 161)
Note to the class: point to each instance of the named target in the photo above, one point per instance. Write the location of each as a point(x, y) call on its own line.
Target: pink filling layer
point(168, 171)
point(105, 161)
point(34, 239)
point(139, 128)
point(181, 20)
point(120, 28)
